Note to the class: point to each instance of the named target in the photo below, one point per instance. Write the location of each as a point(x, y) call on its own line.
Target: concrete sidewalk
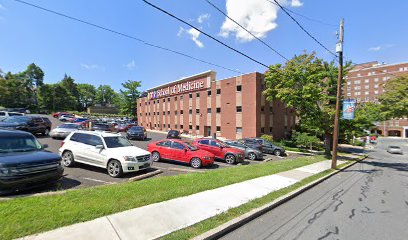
point(159, 219)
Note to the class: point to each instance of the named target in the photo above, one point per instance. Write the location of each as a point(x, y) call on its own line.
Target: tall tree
point(105, 95)
point(69, 83)
point(308, 85)
point(394, 100)
point(130, 94)
point(87, 94)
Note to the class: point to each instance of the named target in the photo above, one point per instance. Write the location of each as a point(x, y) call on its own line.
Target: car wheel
point(230, 159)
point(46, 132)
point(251, 156)
point(156, 156)
point(195, 163)
point(68, 159)
point(115, 168)
point(277, 152)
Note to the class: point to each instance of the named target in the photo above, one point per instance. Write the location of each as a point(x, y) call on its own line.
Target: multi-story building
point(365, 84)
point(200, 105)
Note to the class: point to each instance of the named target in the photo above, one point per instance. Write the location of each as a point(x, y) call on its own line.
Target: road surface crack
point(338, 205)
point(353, 211)
point(336, 232)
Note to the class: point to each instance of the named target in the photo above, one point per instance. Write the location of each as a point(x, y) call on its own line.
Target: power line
point(301, 27)
point(126, 35)
point(246, 30)
point(206, 34)
point(306, 17)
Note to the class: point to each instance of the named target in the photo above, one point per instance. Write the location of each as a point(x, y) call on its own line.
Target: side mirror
point(185, 149)
point(45, 145)
point(99, 146)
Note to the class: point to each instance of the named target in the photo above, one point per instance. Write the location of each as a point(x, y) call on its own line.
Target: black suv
point(24, 164)
point(32, 124)
point(267, 147)
point(173, 134)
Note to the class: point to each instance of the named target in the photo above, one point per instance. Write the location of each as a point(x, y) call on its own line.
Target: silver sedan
point(394, 150)
point(64, 130)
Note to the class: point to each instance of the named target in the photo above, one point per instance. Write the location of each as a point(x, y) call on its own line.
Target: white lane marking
point(97, 180)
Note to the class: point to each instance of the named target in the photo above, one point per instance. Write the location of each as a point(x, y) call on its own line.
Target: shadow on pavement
point(397, 166)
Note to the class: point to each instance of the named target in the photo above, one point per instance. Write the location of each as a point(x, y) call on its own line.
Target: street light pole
point(339, 50)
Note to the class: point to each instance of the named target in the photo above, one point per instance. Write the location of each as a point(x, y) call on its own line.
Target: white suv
point(107, 150)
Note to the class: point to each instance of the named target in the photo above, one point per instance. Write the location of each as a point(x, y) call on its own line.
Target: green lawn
point(211, 223)
point(25, 216)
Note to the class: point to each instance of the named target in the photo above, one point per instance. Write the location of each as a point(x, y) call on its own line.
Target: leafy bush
point(268, 138)
point(305, 140)
point(358, 143)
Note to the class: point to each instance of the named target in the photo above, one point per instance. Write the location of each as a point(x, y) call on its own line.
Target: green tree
point(394, 100)
point(87, 94)
point(56, 97)
point(105, 95)
point(308, 85)
point(69, 83)
point(130, 94)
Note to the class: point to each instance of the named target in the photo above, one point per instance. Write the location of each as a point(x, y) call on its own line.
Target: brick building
point(231, 108)
point(365, 84)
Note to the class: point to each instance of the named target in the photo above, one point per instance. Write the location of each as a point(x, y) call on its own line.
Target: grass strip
point(25, 216)
point(211, 223)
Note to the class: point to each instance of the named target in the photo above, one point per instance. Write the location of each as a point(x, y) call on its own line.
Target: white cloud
point(203, 17)
point(92, 66)
point(380, 47)
point(131, 65)
point(257, 16)
point(296, 3)
point(193, 35)
point(374, 49)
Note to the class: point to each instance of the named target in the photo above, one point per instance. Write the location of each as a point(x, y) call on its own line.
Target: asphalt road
point(83, 175)
point(367, 201)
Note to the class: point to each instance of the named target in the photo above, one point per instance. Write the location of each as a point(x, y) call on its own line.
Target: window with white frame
point(357, 82)
point(367, 80)
point(348, 83)
point(357, 93)
point(366, 92)
point(357, 87)
point(384, 78)
point(358, 75)
point(376, 79)
point(375, 92)
point(376, 86)
point(348, 94)
point(366, 87)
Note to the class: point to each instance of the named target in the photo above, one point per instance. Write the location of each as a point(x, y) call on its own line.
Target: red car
point(220, 150)
point(58, 114)
point(178, 150)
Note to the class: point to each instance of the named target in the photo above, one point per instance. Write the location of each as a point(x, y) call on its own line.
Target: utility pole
point(339, 50)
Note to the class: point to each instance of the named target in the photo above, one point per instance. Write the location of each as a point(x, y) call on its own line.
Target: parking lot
point(83, 175)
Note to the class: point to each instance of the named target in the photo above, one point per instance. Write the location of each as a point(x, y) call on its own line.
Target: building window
point(168, 99)
point(367, 80)
point(376, 86)
point(262, 108)
point(376, 79)
point(190, 95)
point(168, 125)
point(208, 110)
point(348, 83)
point(366, 87)
point(164, 113)
point(375, 92)
point(181, 127)
point(348, 94)
point(270, 129)
point(357, 88)
point(190, 127)
point(239, 130)
point(175, 126)
point(154, 125)
point(218, 129)
point(197, 127)
point(175, 98)
point(181, 97)
point(154, 102)
point(239, 88)
point(190, 111)
point(262, 130)
point(218, 110)
point(270, 109)
point(366, 93)
point(197, 110)
point(164, 125)
point(175, 112)
point(218, 91)
point(198, 95)
point(209, 93)
point(168, 112)
point(357, 93)
point(154, 113)
point(239, 108)
point(164, 100)
point(357, 82)
point(181, 111)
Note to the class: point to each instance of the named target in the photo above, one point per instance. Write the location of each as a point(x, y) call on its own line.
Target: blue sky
point(373, 31)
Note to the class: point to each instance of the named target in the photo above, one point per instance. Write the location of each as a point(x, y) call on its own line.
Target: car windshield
point(16, 119)
point(396, 147)
point(70, 126)
point(19, 144)
point(174, 132)
point(116, 142)
point(137, 129)
point(190, 146)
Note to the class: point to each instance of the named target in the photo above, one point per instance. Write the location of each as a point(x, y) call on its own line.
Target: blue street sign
point(349, 106)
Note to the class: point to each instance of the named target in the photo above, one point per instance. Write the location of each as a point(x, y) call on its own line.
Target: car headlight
point(4, 171)
point(130, 158)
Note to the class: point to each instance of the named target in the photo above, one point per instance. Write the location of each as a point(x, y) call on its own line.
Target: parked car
point(267, 147)
point(106, 150)
point(59, 114)
point(101, 127)
point(173, 134)
point(24, 164)
point(30, 124)
point(64, 130)
point(122, 127)
point(65, 118)
point(250, 153)
point(181, 151)
point(137, 132)
point(221, 150)
point(394, 150)
point(251, 143)
point(6, 114)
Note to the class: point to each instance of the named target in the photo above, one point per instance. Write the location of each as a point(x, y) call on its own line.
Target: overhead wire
point(249, 32)
point(125, 35)
point(301, 27)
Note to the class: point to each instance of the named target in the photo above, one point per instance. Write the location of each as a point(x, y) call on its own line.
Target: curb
point(247, 217)
point(146, 175)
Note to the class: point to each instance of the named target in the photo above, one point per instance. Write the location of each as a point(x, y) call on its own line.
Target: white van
point(5, 114)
